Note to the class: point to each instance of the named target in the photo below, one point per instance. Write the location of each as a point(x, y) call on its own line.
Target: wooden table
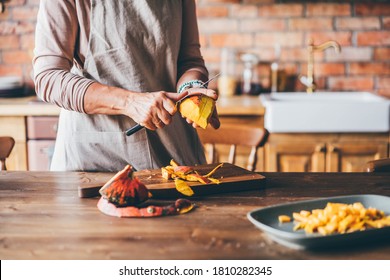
point(42, 217)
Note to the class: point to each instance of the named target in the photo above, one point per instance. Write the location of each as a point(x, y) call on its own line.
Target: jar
point(227, 81)
point(250, 84)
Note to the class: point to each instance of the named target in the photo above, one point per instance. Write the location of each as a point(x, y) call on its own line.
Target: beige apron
point(132, 45)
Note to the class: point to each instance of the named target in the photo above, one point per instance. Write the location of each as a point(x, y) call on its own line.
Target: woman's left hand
point(214, 119)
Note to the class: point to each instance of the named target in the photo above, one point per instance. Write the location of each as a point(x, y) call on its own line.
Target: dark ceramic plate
point(266, 219)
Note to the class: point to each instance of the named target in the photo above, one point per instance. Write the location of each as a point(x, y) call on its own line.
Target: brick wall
point(361, 27)
point(17, 27)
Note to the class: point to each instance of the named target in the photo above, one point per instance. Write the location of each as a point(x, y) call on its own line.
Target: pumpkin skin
point(124, 189)
point(181, 206)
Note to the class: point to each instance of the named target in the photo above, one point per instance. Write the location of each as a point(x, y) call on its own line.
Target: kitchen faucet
point(308, 80)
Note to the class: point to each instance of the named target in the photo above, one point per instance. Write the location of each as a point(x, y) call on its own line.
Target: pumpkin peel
point(183, 187)
point(124, 195)
point(213, 171)
point(181, 174)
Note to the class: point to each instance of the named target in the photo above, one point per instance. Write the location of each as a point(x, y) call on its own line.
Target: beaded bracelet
point(191, 84)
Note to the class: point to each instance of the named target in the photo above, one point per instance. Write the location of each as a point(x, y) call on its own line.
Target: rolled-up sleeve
point(190, 57)
point(55, 41)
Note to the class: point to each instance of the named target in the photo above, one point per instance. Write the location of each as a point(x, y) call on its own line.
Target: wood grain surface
point(42, 217)
point(232, 178)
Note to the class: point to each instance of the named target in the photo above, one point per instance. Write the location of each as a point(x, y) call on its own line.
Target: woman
point(112, 64)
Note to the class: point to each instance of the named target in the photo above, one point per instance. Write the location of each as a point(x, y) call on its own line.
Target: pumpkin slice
point(124, 189)
point(198, 109)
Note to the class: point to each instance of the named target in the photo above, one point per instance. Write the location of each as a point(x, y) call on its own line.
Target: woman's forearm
point(103, 99)
point(53, 86)
point(151, 109)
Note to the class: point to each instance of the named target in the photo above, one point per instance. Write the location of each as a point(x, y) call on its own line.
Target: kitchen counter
point(42, 217)
point(29, 106)
point(26, 106)
point(240, 106)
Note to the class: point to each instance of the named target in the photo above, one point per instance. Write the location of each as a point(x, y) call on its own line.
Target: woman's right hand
point(152, 109)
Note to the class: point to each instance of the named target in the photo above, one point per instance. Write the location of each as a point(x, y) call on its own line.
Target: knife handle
point(134, 129)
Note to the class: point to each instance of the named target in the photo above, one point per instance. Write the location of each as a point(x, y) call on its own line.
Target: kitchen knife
point(138, 127)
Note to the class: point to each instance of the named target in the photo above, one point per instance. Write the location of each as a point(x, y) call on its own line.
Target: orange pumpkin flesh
point(198, 109)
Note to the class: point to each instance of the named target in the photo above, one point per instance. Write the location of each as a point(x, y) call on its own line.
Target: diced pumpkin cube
point(284, 219)
point(166, 173)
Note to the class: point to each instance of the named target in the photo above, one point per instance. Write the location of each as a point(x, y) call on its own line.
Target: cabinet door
point(295, 157)
point(352, 157)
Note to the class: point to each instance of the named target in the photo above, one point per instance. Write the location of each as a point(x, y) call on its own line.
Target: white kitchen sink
point(326, 112)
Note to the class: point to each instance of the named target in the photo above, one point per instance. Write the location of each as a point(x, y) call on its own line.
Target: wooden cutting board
point(232, 178)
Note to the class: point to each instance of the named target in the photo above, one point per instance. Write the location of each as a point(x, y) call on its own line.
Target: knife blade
point(138, 127)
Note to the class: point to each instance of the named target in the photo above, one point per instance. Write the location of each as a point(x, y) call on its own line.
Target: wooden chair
point(6, 146)
point(234, 136)
point(379, 165)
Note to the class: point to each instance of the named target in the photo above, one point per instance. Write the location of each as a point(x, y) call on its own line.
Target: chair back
point(233, 136)
point(6, 146)
point(379, 165)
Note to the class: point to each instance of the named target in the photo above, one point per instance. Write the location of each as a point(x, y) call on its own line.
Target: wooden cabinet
point(324, 152)
point(25, 150)
point(41, 135)
point(13, 115)
point(352, 156)
point(16, 128)
point(295, 157)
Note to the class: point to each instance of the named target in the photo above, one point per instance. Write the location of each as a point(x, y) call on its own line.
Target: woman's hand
point(214, 119)
point(153, 109)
